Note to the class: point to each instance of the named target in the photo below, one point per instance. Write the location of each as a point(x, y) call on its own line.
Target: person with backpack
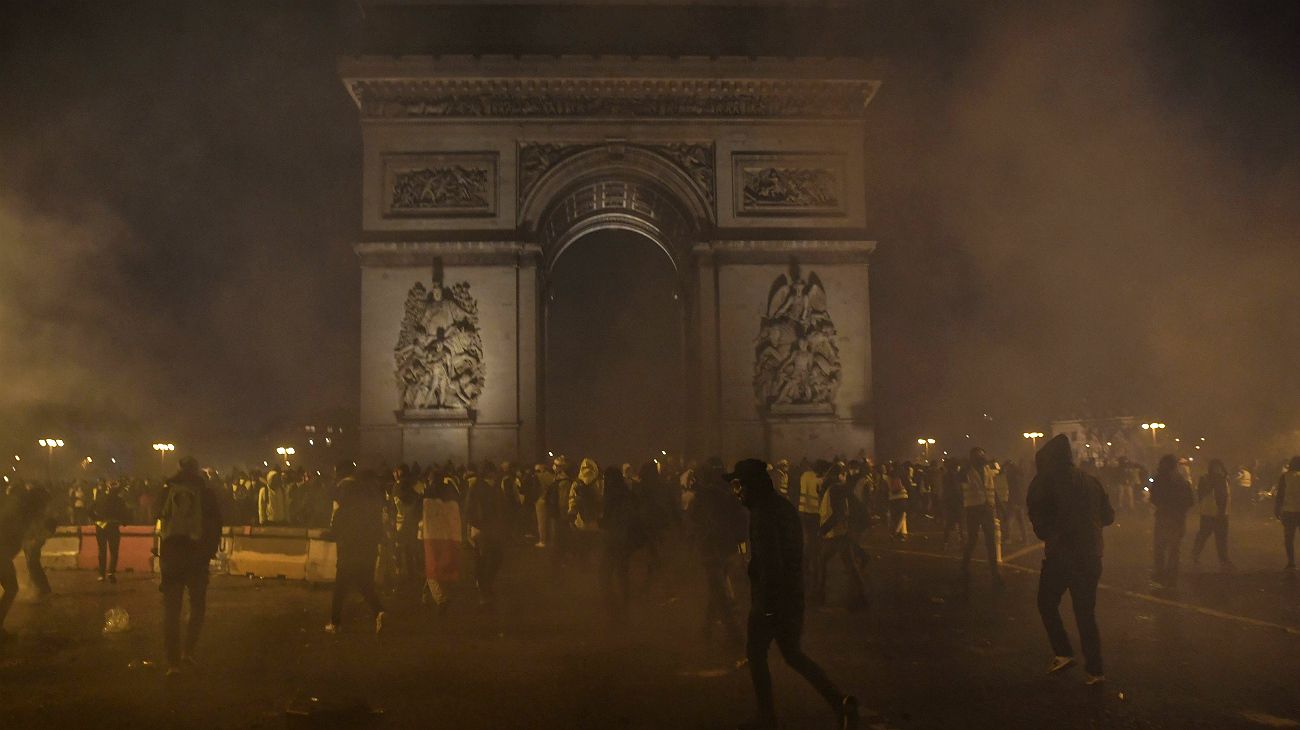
point(1068, 509)
point(189, 531)
point(842, 521)
point(357, 527)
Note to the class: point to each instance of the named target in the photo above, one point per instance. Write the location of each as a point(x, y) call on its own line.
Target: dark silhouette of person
point(1068, 509)
point(1171, 495)
point(357, 527)
point(776, 595)
point(190, 535)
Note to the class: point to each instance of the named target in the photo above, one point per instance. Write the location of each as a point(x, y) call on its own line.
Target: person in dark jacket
point(717, 526)
point(1171, 495)
point(776, 595)
point(190, 533)
point(109, 512)
point(357, 527)
point(1068, 509)
point(1286, 507)
point(487, 514)
point(20, 509)
point(1212, 504)
point(621, 535)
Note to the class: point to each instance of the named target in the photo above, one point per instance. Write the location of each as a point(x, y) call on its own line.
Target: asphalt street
point(1222, 652)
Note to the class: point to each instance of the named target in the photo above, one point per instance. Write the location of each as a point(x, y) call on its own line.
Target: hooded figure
point(584, 497)
point(1068, 510)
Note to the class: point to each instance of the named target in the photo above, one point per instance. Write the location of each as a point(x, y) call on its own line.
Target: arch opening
point(615, 385)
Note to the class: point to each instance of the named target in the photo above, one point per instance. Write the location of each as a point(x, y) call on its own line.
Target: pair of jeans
point(854, 559)
point(1168, 538)
point(1217, 526)
point(786, 629)
point(488, 556)
point(108, 539)
point(1079, 576)
point(355, 571)
point(184, 568)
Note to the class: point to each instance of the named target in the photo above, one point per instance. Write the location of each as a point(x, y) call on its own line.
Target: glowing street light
point(1153, 428)
point(1033, 437)
point(285, 452)
point(162, 450)
point(50, 445)
point(925, 444)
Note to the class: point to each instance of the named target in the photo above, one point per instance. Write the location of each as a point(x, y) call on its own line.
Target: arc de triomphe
point(480, 171)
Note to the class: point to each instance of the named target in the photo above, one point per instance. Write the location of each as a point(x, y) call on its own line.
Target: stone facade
point(747, 172)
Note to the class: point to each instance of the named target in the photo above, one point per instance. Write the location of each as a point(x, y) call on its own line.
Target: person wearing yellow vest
point(809, 506)
point(981, 504)
point(1212, 500)
point(1286, 507)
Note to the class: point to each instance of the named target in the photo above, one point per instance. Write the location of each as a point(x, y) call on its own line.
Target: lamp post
point(50, 445)
point(162, 450)
point(285, 452)
point(1153, 427)
point(1033, 437)
point(925, 444)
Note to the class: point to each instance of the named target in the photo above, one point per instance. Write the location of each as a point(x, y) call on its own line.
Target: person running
point(842, 521)
point(1286, 507)
point(1068, 509)
point(189, 531)
point(1171, 495)
point(776, 596)
point(440, 529)
point(980, 500)
point(357, 527)
point(1212, 499)
point(109, 512)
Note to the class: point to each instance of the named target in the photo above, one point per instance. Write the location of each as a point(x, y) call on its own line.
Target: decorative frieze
point(658, 98)
point(436, 185)
point(789, 184)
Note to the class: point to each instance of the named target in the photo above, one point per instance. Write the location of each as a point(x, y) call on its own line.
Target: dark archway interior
point(615, 386)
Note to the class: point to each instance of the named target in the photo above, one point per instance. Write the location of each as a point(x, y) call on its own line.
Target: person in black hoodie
point(776, 595)
point(357, 527)
point(190, 533)
point(1068, 510)
point(1171, 495)
point(109, 513)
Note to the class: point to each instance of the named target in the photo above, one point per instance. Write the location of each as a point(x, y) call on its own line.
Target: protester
point(357, 528)
point(583, 511)
point(810, 500)
point(776, 595)
point(40, 530)
point(1171, 496)
point(980, 501)
point(841, 523)
point(717, 526)
point(1013, 507)
point(189, 535)
point(109, 512)
point(1286, 507)
point(487, 514)
point(20, 508)
point(898, 499)
point(1212, 500)
point(1068, 509)
point(621, 534)
point(440, 529)
point(273, 500)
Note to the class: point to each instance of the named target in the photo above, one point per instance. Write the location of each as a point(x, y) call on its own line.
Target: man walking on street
point(1286, 507)
point(1068, 509)
point(1171, 495)
point(189, 531)
point(776, 595)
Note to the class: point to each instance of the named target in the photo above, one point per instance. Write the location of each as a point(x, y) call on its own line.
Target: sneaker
point(331, 629)
point(848, 714)
point(539, 544)
point(379, 622)
point(172, 672)
point(1094, 679)
point(1060, 663)
point(100, 579)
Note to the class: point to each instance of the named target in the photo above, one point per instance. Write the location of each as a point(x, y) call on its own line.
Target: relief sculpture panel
point(439, 352)
point(454, 184)
point(789, 185)
point(796, 358)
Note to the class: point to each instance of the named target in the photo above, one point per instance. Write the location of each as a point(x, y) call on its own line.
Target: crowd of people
point(410, 525)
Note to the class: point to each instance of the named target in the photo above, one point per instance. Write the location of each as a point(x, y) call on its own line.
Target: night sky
point(1081, 209)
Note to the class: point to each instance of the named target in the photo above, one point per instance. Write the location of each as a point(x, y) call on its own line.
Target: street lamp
point(50, 445)
point(1153, 427)
point(1033, 437)
point(162, 450)
point(925, 444)
point(285, 452)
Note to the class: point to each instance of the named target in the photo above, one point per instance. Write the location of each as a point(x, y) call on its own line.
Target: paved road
point(1224, 652)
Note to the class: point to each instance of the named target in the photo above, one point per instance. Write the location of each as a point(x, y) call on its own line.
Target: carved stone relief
point(618, 98)
point(453, 184)
point(796, 357)
point(439, 352)
point(789, 185)
point(695, 159)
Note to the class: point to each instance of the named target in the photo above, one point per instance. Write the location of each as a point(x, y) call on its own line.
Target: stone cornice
point(607, 88)
point(456, 253)
point(781, 251)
